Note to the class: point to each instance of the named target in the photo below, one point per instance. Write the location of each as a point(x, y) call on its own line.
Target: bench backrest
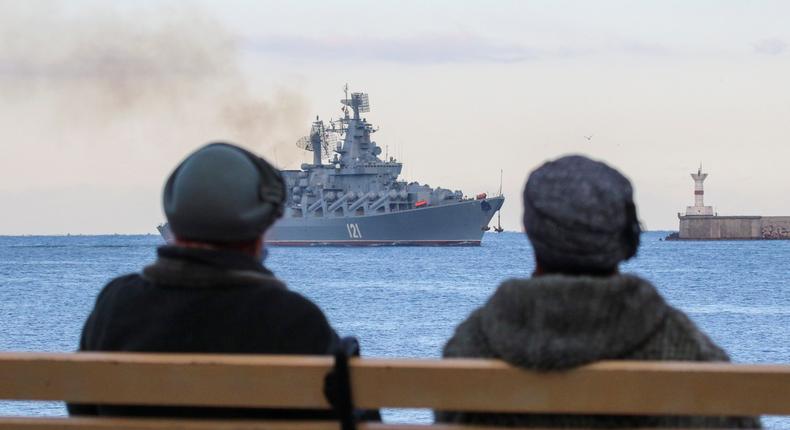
point(614, 387)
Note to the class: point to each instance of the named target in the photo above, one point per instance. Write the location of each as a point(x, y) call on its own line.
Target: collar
point(195, 267)
point(219, 258)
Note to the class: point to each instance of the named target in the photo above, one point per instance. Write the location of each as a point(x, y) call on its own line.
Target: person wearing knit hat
point(580, 216)
point(577, 308)
point(209, 292)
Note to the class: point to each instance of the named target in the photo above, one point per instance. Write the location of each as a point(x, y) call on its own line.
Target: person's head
point(223, 196)
point(580, 217)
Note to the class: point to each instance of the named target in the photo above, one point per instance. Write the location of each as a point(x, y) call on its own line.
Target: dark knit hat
point(223, 193)
point(580, 216)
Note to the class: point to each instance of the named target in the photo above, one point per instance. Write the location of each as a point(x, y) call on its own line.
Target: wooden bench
point(615, 387)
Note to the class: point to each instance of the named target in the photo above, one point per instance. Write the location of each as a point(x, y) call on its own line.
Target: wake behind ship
point(350, 196)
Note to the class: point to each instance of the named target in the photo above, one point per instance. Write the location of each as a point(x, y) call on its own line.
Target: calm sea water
point(402, 302)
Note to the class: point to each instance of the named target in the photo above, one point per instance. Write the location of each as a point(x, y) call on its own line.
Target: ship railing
point(272, 381)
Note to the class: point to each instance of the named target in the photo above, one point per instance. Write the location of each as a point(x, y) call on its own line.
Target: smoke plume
point(103, 93)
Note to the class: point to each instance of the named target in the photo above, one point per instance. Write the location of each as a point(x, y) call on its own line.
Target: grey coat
point(557, 322)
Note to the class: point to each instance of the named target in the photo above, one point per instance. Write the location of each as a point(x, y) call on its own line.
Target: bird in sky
point(589, 138)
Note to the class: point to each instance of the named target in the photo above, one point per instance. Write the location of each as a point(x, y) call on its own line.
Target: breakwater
point(712, 227)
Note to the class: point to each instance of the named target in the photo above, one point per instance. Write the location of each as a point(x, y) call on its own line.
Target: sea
point(402, 301)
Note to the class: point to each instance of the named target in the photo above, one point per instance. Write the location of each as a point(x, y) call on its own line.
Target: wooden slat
point(166, 379)
point(86, 423)
point(615, 387)
point(173, 424)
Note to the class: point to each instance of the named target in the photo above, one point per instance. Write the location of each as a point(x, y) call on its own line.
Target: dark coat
point(195, 300)
point(557, 322)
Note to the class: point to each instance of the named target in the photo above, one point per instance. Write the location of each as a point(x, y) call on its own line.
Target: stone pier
point(695, 227)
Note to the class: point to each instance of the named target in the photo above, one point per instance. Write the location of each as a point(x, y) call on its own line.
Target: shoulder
point(513, 286)
point(125, 281)
point(119, 286)
point(706, 349)
point(679, 338)
point(301, 323)
point(113, 296)
point(273, 290)
point(118, 292)
point(302, 307)
point(469, 338)
point(512, 294)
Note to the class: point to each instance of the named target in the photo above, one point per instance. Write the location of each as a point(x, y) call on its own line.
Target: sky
point(102, 100)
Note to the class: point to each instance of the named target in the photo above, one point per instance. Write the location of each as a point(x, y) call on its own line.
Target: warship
point(349, 196)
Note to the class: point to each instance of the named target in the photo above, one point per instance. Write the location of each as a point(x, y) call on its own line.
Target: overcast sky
point(100, 102)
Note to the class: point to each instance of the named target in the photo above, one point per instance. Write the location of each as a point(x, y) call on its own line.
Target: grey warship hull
point(461, 223)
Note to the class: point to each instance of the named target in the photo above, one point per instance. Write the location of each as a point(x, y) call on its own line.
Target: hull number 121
point(353, 231)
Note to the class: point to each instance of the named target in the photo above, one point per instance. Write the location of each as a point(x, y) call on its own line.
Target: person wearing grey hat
point(577, 308)
point(223, 194)
point(210, 292)
point(580, 217)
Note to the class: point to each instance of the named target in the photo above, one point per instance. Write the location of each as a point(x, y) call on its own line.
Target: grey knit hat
point(580, 216)
point(223, 193)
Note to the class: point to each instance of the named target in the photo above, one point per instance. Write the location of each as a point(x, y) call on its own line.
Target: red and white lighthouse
point(699, 207)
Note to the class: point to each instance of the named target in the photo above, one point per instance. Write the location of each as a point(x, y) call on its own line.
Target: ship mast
point(317, 140)
point(345, 106)
point(498, 227)
point(357, 146)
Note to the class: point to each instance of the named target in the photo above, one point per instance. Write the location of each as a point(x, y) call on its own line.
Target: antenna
point(304, 143)
point(319, 141)
point(345, 100)
point(330, 142)
point(359, 102)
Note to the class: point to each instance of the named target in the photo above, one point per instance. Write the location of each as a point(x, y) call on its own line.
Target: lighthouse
point(701, 223)
point(699, 208)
